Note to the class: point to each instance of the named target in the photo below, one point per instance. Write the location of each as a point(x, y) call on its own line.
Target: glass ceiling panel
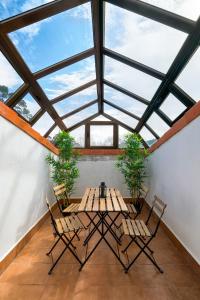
point(43, 124)
point(27, 107)
point(157, 124)
point(131, 79)
point(9, 79)
point(147, 136)
point(76, 100)
point(68, 78)
point(188, 80)
point(122, 133)
point(172, 107)
point(9, 8)
point(101, 118)
point(141, 39)
point(186, 8)
point(124, 101)
point(56, 38)
point(118, 115)
point(79, 136)
point(54, 132)
point(80, 116)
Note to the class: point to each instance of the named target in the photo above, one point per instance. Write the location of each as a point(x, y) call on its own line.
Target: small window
point(101, 135)
point(147, 136)
point(79, 137)
point(27, 107)
point(157, 124)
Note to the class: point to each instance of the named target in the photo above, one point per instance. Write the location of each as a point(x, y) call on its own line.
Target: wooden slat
point(121, 200)
point(115, 201)
point(84, 200)
point(130, 227)
point(59, 226)
point(145, 228)
point(64, 225)
point(96, 200)
point(140, 228)
point(109, 204)
point(74, 222)
point(78, 222)
point(125, 227)
point(60, 192)
point(69, 224)
point(102, 203)
point(135, 228)
point(90, 200)
point(133, 209)
point(58, 187)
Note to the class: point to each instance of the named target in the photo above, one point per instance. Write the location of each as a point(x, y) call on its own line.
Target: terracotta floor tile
point(9, 291)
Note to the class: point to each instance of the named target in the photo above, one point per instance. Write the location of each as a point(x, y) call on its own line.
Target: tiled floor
point(102, 277)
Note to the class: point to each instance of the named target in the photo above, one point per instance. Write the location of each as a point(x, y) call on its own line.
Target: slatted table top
point(113, 202)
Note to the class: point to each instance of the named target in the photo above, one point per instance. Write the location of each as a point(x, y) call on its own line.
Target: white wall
point(174, 171)
point(94, 169)
point(24, 182)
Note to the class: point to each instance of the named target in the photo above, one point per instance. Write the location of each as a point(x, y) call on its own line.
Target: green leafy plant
point(64, 168)
point(132, 165)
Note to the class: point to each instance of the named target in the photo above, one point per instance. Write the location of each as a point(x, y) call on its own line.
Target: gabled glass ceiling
point(138, 38)
point(56, 38)
point(141, 73)
point(68, 78)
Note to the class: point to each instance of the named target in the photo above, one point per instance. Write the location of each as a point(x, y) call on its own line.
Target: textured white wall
point(94, 169)
point(174, 170)
point(24, 182)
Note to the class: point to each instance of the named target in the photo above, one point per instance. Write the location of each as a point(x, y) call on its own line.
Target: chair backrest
point(158, 207)
point(51, 215)
point(144, 191)
point(60, 193)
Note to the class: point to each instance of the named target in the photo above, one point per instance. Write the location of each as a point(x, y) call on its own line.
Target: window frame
point(101, 123)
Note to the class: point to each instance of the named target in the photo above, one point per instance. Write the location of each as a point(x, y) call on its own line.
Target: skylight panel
point(54, 132)
point(56, 38)
point(122, 134)
point(27, 107)
point(186, 8)
point(77, 100)
point(120, 116)
point(157, 124)
point(147, 136)
point(100, 118)
point(188, 80)
point(131, 79)
point(79, 136)
point(43, 124)
point(172, 107)
point(68, 78)
point(141, 38)
point(80, 116)
point(10, 81)
point(124, 101)
point(12, 8)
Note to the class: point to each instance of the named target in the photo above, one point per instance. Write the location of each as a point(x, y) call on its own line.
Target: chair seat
point(72, 208)
point(135, 228)
point(131, 208)
point(68, 224)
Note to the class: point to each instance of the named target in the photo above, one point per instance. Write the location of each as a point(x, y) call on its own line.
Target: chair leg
point(48, 253)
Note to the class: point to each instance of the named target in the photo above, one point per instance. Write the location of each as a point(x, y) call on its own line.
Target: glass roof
point(66, 34)
point(68, 78)
point(8, 78)
point(133, 80)
point(187, 8)
point(126, 32)
point(77, 100)
point(136, 69)
point(124, 101)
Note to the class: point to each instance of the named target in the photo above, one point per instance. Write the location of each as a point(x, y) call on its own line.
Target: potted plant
point(64, 167)
point(132, 165)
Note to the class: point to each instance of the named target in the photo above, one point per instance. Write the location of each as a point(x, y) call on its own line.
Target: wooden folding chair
point(135, 210)
point(61, 227)
point(140, 233)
